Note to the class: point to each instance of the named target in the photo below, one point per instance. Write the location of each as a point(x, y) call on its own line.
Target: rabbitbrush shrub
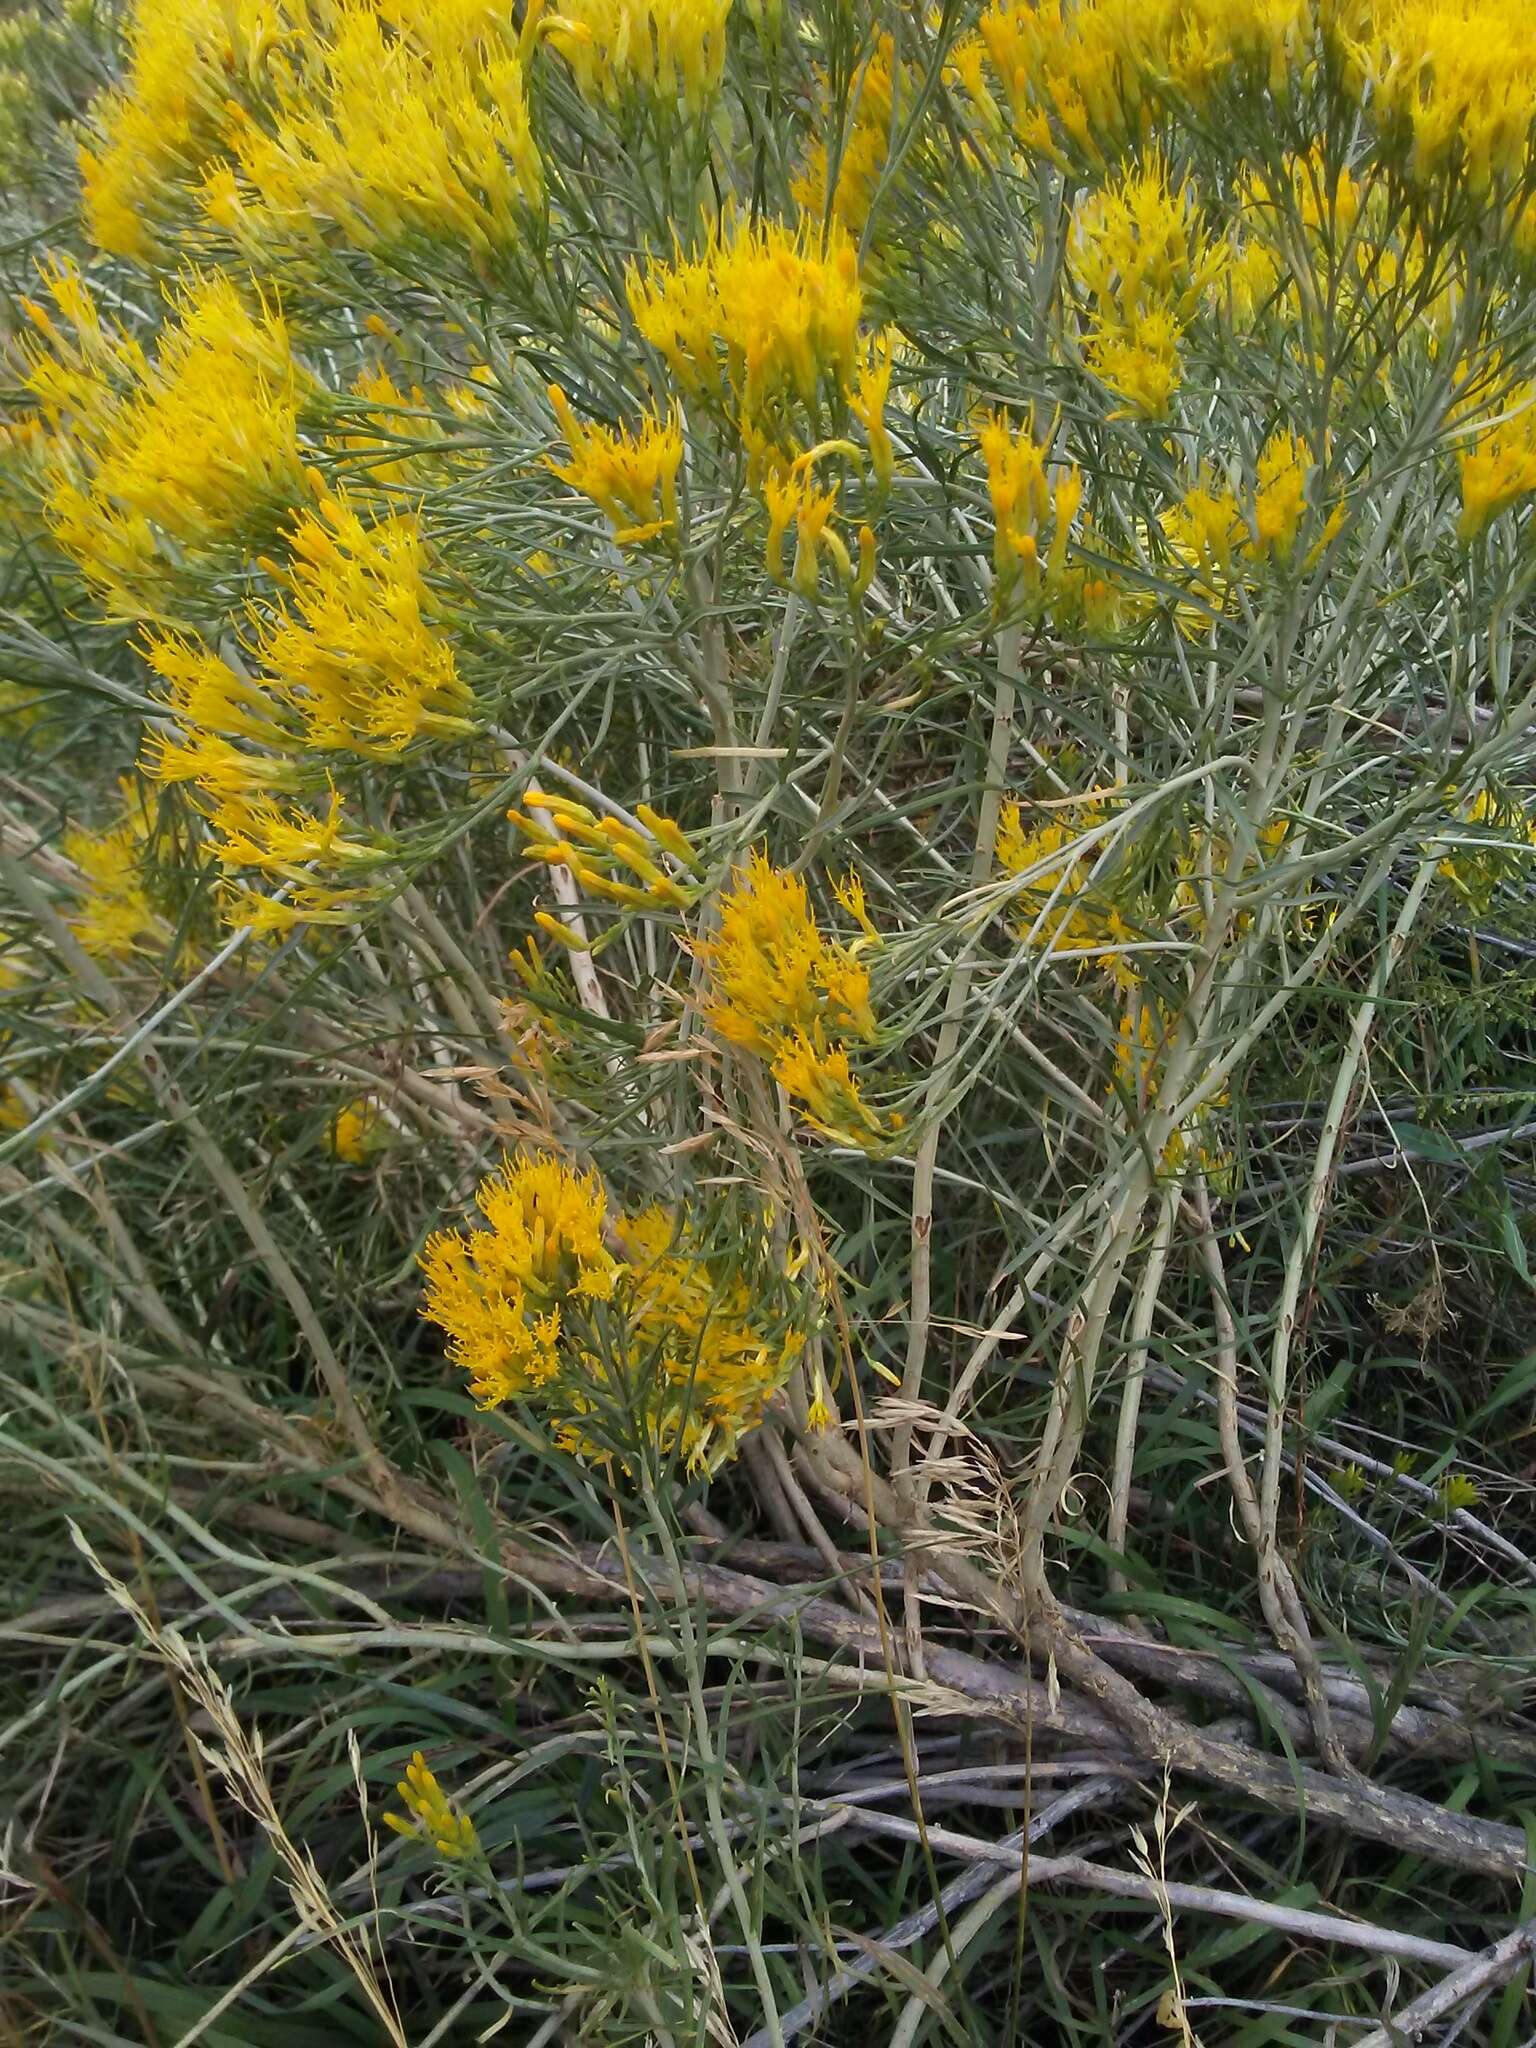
point(765, 1018)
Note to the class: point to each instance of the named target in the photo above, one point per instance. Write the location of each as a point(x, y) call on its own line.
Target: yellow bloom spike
point(1083, 79)
point(184, 58)
point(783, 491)
point(772, 974)
point(594, 847)
point(255, 831)
point(849, 891)
point(819, 1413)
point(868, 402)
point(553, 928)
point(813, 531)
point(1025, 499)
point(517, 1299)
point(1497, 462)
point(1144, 268)
point(1061, 911)
point(433, 1817)
point(354, 1131)
point(698, 1319)
point(499, 1292)
point(1280, 496)
point(630, 475)
point(762, 306)
point(1453, 85)
point(200, 445)
point(865, 144)
point(354, 654)
point(409, 118)
point(819, 1078)
point(662, 49)
point(115, 919)
point(668, 833)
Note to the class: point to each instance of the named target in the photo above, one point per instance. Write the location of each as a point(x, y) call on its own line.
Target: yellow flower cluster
point(114, 918)
point(1475, 871)
point(1450, 85)
point(354, 652)
point(1144, 268)
point(184, 60)
point(629, 475)
point(1323, 200)
point(763, 308)
point(349, 662)
point(434, 1819)
point(1062, 908)
point(149, 460)
point(864, 149)
point(1497, 460)
point(1088, 76)
point(353, 662)
point(500, 1292)
point(387, 417)
point(696, 1321)
point(782, 990)
point(382, 118)
point(602, 852)
point(1212, 534)
point(663, 49)
point(1456, 79)
point(792, 498)
point(681, 1346)
point(1145, 1032)
point(868, 399)
point(1025, 499)
point(409, 117)
point(1280, 495)
point(354, 1131)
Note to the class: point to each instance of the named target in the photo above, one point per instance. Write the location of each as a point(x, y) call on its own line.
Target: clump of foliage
point(765, 1018)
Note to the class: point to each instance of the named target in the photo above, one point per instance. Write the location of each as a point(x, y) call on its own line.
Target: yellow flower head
point(663, 49)
point(200, 445)
point(792, 498)
point(1280, 496)
point(1497, 459)
point(696, 1323)
point(1143, 267)
point(499, 1292)
point(1026, 499)
point(867, 403)
point(819, 1078)
point(762, 305)
point(1454, 82)
point(596, 849)
point(672, 1334)
point(253, 830)
point(433, 1817)
point(353, 1132)
point(114, 918)
point(1476, 868)
point(1456, 1492)
point(353, 654)
point(1085, 77)
point(630, 475)
point(349, 663)
point(865, 146)
point(772, 974)
point(1062, 908)
point(409, 118)
point(184, 58)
